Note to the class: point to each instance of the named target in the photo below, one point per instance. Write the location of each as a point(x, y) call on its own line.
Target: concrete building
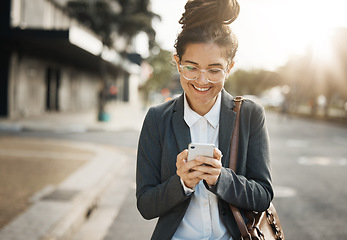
point(50, 62)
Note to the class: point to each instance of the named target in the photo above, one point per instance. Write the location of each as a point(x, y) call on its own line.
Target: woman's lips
point(201, 89)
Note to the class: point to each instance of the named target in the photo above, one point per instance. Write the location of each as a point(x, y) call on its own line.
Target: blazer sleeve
point(251, 188)
point(155, 197)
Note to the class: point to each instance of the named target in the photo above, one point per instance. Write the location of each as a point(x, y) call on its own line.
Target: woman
point(191, 198)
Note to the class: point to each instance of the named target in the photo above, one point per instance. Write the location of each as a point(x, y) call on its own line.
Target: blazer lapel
point(226, 126)
point(181, 129)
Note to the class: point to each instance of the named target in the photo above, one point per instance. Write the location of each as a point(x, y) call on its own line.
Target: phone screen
point(200, 149)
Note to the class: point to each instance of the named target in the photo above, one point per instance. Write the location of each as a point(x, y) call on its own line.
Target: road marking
point(284, 192)
point(322, 161)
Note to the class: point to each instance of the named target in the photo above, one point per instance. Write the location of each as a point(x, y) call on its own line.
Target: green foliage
point(105, 17)
point(254, 82)
point(163, 71)
point(98, 16)
point(134, 17)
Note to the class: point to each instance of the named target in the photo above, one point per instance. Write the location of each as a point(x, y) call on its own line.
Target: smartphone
point(200, 149)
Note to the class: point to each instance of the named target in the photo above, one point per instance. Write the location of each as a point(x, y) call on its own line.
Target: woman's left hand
point(210, 167)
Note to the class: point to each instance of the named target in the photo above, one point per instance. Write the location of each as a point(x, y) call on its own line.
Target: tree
point(135, 17)
point(253, 82)
point(339, 40)
point(163, 73)
point(300, 75)
point(127, 18)
point(313, 74)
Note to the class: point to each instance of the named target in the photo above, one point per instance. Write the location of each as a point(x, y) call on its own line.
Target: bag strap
point(233, 164)
point(235, 135)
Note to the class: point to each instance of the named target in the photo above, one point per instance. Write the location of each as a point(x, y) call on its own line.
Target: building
point(50, 62)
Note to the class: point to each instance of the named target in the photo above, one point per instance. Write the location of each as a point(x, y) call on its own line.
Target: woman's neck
point(202, 109)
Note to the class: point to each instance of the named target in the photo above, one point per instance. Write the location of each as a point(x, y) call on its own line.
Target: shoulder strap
point(233, 164)
point(235, 135)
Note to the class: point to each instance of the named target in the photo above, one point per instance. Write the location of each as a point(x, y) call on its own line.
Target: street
point(309, 161)
point(309, 166)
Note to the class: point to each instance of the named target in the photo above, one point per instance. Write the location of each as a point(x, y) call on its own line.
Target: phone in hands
point(200, 149)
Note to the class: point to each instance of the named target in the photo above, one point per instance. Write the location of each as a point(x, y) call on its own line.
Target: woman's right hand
point(190, 178)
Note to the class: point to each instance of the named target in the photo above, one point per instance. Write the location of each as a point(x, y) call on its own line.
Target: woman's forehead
point(204, 54)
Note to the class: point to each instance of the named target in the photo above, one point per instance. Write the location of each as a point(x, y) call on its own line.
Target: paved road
point(309, 166)
point(310, 160)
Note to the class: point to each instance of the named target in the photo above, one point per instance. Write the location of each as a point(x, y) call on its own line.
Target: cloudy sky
point(269, 31)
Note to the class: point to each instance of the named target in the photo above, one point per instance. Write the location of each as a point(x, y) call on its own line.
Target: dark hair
point(206, 21)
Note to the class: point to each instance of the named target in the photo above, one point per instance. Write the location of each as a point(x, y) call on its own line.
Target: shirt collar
point(191, 117)
point(213, 115)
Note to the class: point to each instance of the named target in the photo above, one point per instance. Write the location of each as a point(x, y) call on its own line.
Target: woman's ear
point(177, 60)
point(231, 65)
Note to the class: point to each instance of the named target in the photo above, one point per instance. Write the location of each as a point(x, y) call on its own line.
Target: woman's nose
point(202, 79)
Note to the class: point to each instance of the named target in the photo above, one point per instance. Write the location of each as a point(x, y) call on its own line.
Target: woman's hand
point(184, 170)
point(204, 168)
point(209, 167)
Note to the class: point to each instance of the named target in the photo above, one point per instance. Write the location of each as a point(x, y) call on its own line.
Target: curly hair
point(207, 21)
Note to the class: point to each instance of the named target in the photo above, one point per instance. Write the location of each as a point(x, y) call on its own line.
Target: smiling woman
point(194, 204)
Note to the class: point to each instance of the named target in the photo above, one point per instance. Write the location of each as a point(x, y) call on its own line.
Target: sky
point(269, 31)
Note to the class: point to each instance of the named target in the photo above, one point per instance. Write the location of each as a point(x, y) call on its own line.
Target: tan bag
point(260, 226)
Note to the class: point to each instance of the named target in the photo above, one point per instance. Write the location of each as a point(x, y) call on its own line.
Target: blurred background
point(79, 72)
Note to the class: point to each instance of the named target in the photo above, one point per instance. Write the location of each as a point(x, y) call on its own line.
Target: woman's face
point(202, 94)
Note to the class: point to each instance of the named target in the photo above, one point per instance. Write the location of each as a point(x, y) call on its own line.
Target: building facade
point(50, 62)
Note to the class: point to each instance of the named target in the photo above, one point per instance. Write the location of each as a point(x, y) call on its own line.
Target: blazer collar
point(226, 126)
point(181, 129)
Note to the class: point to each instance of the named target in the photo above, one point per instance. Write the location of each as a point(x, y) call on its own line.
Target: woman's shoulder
point(165, 108)
point(252, 103)
point(253, 113)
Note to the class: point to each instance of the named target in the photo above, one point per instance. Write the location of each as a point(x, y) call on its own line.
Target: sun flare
point(278, 29)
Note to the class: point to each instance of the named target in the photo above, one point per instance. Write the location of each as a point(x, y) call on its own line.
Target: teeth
point(201, 89)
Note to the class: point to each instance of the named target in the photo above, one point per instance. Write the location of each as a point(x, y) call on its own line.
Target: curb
point(122, 117)
point(64, 128)
point(12, 127)
point(59, 212)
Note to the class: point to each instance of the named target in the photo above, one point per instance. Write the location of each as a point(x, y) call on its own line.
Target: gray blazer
point(165, 134)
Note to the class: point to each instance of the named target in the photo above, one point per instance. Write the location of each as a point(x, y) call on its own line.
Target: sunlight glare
point(322, 48)
point(301, 24)
point(273, 30)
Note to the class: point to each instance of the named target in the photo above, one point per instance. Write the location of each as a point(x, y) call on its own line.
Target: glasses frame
point(204, 70)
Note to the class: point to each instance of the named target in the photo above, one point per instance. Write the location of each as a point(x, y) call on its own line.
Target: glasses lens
point(190, 72)
point(215, 74)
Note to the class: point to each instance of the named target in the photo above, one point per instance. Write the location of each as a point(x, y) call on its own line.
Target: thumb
point(217, 154)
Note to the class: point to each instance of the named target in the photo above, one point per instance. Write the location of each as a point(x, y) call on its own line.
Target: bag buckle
point(238, 99)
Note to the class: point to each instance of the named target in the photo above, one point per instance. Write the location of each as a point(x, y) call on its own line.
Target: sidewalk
point(67, 177)
point(122, 117)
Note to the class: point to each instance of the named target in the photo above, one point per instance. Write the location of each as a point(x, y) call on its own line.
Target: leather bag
point(260, 225)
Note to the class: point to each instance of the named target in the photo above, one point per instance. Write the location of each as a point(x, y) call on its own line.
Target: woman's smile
point(201, 89)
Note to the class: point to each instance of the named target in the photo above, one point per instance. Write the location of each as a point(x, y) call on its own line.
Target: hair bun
point(206, 12)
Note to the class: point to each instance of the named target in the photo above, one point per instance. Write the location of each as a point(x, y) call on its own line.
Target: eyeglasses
point(214, 75)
